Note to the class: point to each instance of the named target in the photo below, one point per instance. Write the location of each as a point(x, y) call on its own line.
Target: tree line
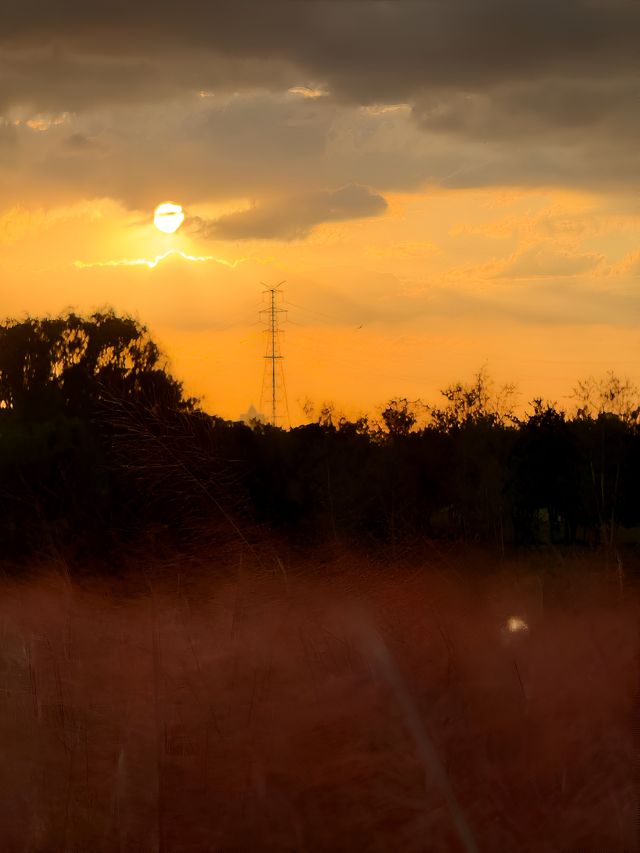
point(100, 447)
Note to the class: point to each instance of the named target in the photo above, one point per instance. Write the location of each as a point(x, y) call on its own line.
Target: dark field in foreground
point(297, 712)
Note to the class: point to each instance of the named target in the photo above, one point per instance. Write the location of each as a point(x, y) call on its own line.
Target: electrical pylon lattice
point(274, 392)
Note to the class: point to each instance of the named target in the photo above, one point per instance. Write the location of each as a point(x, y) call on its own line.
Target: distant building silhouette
point(252, 414)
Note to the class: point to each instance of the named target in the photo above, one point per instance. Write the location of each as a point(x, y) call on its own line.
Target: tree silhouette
point(399, 416)
point(69, 363)
point(98, 441)
point(545, 472)
point(62, 381)
point(474, 402)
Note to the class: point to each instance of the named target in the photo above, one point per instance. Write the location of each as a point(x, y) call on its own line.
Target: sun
point(168, 217)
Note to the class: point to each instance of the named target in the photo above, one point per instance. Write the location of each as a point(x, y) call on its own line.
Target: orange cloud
point(545, 260)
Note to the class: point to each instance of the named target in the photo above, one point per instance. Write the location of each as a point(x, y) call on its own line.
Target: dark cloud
point(61, 55)
point(293, 218)
point(197, 150)
point(499, 92)
point(558, 110)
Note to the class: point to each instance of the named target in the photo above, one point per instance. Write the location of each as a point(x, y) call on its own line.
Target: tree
point(473, 403)
point(69, 457)
point(68, 364)
point(399, 417)
point(609, 395)
point(606, 421)
point(479, 426)
point(545, 472)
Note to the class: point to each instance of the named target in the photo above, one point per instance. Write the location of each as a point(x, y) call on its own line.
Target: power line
point(312, 311)
point(273, 385)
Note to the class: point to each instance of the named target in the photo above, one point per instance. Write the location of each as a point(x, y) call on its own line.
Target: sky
point(443, 185)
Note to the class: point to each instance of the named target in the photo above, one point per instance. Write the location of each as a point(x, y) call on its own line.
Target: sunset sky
point(443, 185)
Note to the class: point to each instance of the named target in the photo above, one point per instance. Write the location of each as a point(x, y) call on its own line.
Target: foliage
point(69, 363)
point(474, 403)
point(610, 395)
point(399, 417)
point(62, 379)
point(98, 444)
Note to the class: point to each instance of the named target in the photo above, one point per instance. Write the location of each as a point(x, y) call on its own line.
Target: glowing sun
point(168, 217)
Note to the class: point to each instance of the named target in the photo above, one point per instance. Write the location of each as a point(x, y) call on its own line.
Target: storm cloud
point(364, 50)
point(487, 93)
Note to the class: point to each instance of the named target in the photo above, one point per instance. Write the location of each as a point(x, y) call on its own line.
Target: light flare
point(308, 91)
point(382, 109)
point(152, 263)
point(516, 625)
point(38, 123)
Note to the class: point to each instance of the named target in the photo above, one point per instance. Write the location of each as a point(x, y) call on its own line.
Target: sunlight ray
point(152, 263)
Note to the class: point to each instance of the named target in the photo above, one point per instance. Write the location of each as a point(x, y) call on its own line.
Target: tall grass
point(304, 711)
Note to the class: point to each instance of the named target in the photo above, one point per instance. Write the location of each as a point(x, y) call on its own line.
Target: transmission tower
point(274, 392)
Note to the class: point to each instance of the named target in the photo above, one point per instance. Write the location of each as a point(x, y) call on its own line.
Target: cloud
point(543, 261)
point(391, 95)
point(293, 218)
point(550, 110)
point(628, 268)
point(365, 51)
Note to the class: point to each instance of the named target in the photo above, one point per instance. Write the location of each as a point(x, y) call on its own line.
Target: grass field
point(335, 708)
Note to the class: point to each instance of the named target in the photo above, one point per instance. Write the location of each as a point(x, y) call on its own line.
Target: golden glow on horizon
point(153, 263)
point(168, 217)
point(411, 285)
